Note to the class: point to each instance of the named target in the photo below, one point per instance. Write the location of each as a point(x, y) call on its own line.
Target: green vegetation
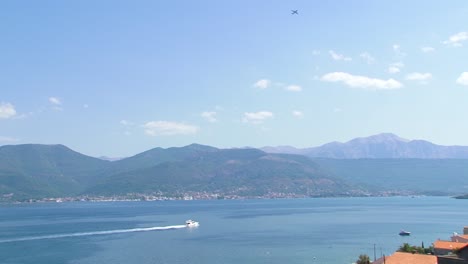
point(363, 259)
point(38, 171)
point(416, 249)
point(45, 170)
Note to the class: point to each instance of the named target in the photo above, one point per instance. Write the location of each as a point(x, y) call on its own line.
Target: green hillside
point(46, 170)
point(35, 171)
point(431, 176)
point(157, 156)
point(243, 172)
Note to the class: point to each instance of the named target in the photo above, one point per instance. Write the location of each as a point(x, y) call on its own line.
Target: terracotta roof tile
point(443, 244)
point(407, 258)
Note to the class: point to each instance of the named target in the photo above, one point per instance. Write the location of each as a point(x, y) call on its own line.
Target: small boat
point(191, 223)
point(404, 233)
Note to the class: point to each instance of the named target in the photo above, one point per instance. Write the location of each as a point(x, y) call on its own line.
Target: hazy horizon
point(117, 78)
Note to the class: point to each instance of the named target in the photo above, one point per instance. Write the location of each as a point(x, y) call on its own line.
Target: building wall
point(449, 260)
point(442, 251)
point(463, 253)
point(458, 238)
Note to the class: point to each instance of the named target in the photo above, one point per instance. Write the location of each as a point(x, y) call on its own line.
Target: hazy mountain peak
point(200, 147)
point(383, 145)
point(379, 138)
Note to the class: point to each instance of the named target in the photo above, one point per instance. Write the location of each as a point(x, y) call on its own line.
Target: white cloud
point(167, 128)
point(427, 49)
point(457, 39)
point(297, 114)
point(463, 79)
point(8, 139)
point(367, 57)
point(339, 57)
point(262, 84)
point(395, 67)
point(209, 116)
point(7, 110)
point(397, 50)
point(294, 88)
point(256, 117)
point(421, 77)
point(364, 82)
point(126, 123)
point(55, 101)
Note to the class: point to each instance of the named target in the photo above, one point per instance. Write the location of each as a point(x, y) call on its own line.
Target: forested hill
point(35, 171)
point(55, 170)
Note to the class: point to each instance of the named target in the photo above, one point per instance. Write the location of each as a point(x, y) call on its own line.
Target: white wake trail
point(108, 232)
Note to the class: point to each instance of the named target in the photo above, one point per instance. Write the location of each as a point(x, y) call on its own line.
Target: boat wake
point(95, 233)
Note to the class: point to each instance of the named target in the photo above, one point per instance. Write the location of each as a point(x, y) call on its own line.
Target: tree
point(363, 259)
point(415, 249)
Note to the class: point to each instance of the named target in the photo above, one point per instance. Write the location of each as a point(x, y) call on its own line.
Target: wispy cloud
point(339, 57)
point(463, 79)
point(262, 84)
point(399, 54)
point(256, 117)
point(7, 110)
point(367, 57)
point(56, 103)
point(457, 39)
point(209, 116)
point(293, 88)
point(427, 49)
point(356, 81)
point(395, 67)
point(167, 128)
point(297, 114)
point(420, 77)
point(125, 122)
point(8, 139)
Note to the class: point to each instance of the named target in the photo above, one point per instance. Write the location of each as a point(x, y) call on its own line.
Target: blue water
point(326, 231)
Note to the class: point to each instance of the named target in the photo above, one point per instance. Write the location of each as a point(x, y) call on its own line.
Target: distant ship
point(404, 233)
point(191, 223)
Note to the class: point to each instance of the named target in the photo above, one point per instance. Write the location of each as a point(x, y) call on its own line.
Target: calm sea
point(325, 231)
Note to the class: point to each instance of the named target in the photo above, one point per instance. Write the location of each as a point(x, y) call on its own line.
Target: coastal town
point(202, 195)
point(450, 251)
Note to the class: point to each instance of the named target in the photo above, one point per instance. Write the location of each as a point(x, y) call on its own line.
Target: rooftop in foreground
point(406, 258)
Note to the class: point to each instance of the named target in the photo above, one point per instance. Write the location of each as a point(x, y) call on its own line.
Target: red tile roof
point(407, 258)
point(443, 244)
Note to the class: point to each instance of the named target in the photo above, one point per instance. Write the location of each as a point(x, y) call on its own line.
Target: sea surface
point(316, 230)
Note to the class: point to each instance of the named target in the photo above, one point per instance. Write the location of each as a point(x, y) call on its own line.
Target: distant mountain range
point(381, 146)
point(379, 165)
point(56, 171)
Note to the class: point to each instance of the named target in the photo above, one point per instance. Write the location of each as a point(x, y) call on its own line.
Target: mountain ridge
point(384, 145)
point(56, 171)
point(35, 170)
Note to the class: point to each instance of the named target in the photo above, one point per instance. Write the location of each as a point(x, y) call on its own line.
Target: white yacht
point(191, 223)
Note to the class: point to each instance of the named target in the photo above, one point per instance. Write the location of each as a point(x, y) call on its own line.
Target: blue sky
point(116, 78)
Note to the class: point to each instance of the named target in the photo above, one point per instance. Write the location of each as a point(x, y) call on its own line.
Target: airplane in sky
point(294, 12)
